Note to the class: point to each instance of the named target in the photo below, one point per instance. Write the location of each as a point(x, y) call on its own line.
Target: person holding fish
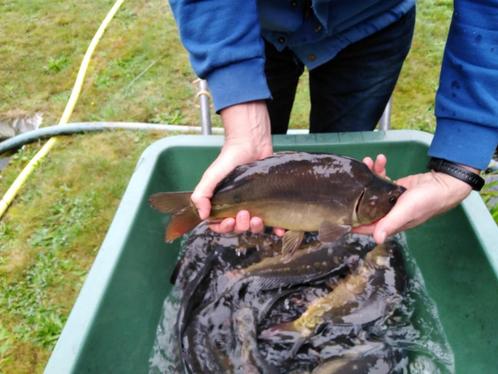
point(252, 54)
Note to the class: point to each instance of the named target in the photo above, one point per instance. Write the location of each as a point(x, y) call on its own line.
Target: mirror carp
point(297, 191)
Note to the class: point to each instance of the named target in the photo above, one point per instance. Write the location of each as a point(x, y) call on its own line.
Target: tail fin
point(180, 223)
point(184, 217)
point(170, 202)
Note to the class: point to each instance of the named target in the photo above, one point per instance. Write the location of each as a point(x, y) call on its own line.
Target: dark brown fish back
point(299, 176)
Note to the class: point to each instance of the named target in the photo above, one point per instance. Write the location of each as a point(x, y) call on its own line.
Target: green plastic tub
point(112, 326)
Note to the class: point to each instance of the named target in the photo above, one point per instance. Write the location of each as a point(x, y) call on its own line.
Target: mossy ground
point(140, 72)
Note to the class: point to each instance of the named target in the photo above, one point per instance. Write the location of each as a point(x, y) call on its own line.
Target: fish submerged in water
point(368, 358)
point(296, 191)
point(371, 292)
point(311, 262)
point(219, 333)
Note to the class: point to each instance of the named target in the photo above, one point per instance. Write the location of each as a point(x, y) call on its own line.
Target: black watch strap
point(457, 171)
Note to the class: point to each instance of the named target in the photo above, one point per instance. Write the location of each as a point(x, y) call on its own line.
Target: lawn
point(140, 72)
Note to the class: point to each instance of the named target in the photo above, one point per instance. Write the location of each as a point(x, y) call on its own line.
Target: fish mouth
point(396, 194)
point(400, 190)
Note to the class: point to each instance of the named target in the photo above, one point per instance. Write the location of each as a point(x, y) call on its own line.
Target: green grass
point(489, 194)
point(42, 44)
point(140, 72)
point(52, 233)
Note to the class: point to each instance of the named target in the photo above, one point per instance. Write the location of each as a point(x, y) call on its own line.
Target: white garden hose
point(75, 93)
point(65, 128)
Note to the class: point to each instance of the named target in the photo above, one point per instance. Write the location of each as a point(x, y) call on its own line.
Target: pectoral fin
point(290, 243)
point(330, 232)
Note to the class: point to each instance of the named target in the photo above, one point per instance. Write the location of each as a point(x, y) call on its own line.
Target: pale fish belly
point(299, 216)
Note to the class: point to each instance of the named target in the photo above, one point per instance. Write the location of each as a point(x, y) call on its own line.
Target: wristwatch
point(457, 171)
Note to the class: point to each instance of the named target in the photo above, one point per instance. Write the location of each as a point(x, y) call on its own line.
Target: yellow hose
point(75, 93)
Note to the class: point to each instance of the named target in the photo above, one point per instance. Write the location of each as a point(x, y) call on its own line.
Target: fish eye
point(392, 200)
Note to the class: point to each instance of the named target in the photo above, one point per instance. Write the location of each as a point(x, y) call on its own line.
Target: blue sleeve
point(224, 41)
point(467, 98)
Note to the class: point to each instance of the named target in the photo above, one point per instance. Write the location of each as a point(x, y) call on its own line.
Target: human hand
point(378, 166)
point(427, 195)
point(247, 139)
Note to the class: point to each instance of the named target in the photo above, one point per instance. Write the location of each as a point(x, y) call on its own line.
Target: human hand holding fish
point(298, 191)
point(247, 139)
point(427, 195)
point(244, 222)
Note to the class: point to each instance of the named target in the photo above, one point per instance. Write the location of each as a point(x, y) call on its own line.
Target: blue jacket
point(224, 40)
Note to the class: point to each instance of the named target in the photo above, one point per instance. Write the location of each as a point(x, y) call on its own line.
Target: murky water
point(410, 340)
point(165, 352)
point(420, 333)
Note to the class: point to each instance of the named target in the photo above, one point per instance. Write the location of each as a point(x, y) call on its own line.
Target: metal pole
point(385, 120)
point(204, 95)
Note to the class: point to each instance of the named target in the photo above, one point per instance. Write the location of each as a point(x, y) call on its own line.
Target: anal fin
point(290, 243)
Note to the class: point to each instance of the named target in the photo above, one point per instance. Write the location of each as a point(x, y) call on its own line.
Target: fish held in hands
point(296, 191)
